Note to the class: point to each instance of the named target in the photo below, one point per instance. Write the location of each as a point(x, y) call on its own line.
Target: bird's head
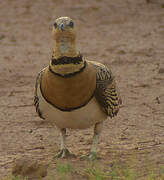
point(63, 29)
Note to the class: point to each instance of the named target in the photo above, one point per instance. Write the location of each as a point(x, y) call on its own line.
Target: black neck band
point(67, 60)
point(69, 74)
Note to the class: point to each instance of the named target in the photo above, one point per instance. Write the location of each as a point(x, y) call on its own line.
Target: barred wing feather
point(106, 91)
point(36, 98)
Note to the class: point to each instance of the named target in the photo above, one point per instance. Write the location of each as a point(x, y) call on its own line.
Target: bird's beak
point(62, 27)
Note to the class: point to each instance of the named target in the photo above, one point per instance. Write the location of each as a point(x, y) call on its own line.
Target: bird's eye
point(55, 25)
point(71, 24)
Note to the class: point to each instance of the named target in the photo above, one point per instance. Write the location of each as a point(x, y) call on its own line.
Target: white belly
point(77, 119)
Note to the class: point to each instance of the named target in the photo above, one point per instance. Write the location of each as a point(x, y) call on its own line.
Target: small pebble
point(29, 168)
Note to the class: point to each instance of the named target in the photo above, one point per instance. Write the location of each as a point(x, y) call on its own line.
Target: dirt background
point(128, 36)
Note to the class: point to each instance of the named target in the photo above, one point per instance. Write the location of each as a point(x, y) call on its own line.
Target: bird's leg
point(63, 150)
point(97, 130)
point(63, 137)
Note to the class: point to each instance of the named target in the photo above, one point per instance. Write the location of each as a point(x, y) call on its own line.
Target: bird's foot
point(91, 157)
point(64, 153)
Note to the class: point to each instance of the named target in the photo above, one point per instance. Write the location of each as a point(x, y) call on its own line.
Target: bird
point(74, 92)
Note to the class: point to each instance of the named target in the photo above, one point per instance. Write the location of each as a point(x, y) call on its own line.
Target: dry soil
point(127, 36)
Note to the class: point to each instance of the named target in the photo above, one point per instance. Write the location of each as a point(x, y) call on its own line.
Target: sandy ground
point(128, 36)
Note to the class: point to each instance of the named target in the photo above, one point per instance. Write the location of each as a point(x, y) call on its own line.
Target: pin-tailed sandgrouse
point(72, 91)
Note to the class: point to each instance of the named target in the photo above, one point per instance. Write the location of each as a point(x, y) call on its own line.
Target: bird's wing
point(106, 92)
point(36, 98)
